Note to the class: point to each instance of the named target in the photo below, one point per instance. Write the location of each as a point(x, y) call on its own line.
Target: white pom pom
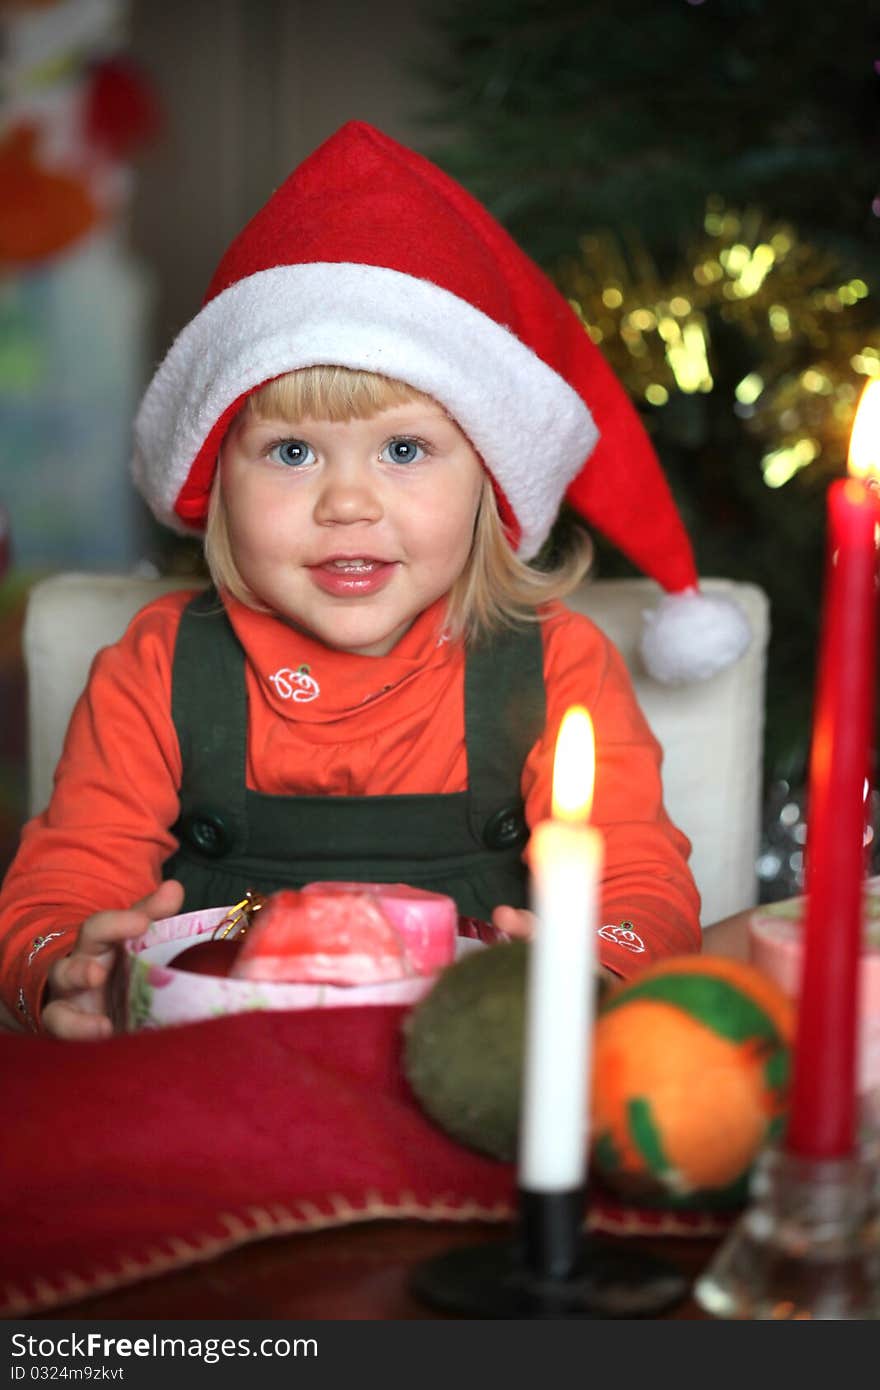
point(690, 636)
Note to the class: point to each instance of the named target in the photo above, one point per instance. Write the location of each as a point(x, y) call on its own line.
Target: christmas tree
point(701, 180)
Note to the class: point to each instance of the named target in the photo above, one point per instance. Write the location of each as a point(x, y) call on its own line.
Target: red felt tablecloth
point(127, 1158)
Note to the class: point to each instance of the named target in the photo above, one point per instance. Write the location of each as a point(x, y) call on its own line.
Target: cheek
point(241, 527)
point(260, 518)
point(453, 548)
point(449, 514)
point(462, 525)
point(441, 532)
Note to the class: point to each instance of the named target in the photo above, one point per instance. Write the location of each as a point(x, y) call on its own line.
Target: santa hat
point(370, 257)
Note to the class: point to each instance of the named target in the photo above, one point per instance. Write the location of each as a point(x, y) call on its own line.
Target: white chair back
point(711, 732)
point(712, 736)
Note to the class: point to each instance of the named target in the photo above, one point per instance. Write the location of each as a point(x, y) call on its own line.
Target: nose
point(347, 495)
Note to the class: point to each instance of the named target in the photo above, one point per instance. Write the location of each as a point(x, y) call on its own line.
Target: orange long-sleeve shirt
point(350, 725)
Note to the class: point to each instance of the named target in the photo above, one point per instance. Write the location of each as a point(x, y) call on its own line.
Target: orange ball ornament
point(690, 1079)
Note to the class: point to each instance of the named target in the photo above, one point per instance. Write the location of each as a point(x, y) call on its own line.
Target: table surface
point(355, 1272)
point(360, 1271)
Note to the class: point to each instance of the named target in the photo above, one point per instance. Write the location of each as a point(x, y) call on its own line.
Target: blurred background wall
point(249, 88)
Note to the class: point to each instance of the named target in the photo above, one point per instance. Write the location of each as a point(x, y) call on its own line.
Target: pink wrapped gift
point(427, 923)
point(349, 934)
point(154, 994)
point(775, 943)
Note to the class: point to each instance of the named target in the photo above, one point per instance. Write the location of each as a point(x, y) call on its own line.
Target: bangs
point(330, 393)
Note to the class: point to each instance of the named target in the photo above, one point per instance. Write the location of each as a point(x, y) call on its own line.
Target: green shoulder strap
point(505, 711)
point(209, 708)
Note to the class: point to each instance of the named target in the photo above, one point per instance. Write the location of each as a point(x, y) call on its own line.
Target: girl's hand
point(514, 921)
point(517, 922)
point(78, 983)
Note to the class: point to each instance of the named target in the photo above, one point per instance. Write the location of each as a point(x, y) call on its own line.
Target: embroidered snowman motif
point(296, 685)
point(623, 935)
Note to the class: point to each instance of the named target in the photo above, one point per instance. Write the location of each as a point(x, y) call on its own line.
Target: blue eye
point(403, 450)
point(292, 452)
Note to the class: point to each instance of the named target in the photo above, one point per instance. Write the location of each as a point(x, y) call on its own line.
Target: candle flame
point(864, 442)
point(574, 766)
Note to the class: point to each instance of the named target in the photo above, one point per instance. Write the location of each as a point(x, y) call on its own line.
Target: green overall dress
point(466, 844)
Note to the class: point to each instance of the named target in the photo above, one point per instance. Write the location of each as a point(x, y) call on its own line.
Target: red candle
point(822, 1122)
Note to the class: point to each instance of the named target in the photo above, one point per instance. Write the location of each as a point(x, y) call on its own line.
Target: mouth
point(347, 576)
point(352, 564)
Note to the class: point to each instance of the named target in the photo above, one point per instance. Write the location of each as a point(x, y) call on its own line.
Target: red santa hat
point(368, 256)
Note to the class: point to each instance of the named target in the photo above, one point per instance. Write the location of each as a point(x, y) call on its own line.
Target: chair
point(711, 732)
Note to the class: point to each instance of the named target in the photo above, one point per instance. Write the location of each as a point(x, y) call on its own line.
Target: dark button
point(506, 828)
point(206, 832)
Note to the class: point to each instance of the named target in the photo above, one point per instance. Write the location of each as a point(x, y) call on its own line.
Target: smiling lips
point(350, 576)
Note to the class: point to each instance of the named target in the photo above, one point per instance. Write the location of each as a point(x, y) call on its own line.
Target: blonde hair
point(495, 589)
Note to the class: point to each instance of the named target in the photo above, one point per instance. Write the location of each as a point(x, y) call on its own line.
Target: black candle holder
point(550, 1270)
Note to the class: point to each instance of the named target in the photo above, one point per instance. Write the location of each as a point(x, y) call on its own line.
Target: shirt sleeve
point(650, 906)
point(102, 840)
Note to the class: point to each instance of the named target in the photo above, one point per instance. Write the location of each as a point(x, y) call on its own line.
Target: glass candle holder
point(808, 1244)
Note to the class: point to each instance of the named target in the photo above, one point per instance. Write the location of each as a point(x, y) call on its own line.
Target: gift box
point(152, 993)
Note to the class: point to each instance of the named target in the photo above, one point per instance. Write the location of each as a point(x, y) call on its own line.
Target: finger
point(88, 1001)
point(63, 1020)
point(106, 929)
point(514, 921)
point(164, 901)
point(76, 972)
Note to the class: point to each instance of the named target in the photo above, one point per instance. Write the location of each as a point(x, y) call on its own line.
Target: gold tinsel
point(805, 321)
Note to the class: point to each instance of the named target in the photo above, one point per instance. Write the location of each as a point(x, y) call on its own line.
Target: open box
point(151, 993)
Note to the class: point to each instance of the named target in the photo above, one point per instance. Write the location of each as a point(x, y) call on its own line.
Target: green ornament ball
point(463, 1048)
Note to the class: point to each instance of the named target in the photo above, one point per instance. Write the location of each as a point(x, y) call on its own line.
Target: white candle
point(566, 864)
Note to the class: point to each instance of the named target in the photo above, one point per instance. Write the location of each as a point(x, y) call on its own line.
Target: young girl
point(374, 418)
